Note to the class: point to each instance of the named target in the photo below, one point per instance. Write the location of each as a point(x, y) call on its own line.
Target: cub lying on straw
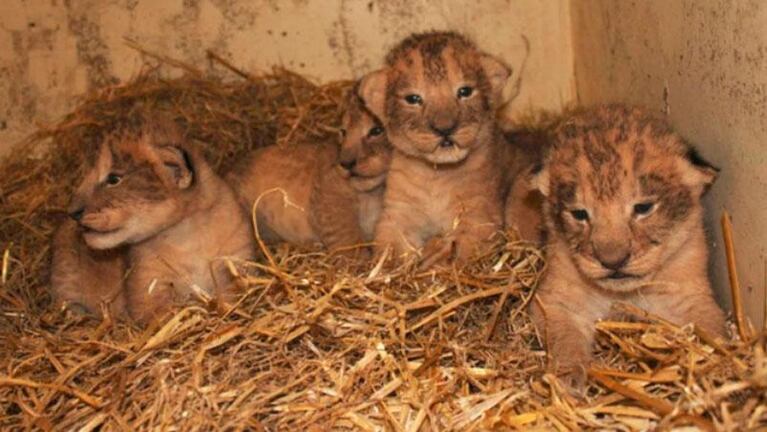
point(437, 96)
point(311, 192)
point(156, 196)
point(625, 224)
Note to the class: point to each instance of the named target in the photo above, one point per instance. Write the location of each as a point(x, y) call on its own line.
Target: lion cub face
point(135, 188)
point(623, 193)
point(436, 96)
point(365, 151)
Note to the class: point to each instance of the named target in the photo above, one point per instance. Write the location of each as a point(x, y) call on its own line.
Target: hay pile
point(316, 342)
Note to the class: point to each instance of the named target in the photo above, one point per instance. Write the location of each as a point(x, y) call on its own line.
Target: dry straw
point(315, 341)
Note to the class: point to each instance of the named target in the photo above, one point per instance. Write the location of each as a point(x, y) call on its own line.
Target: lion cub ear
point(697, 172)
point(177, 166)
point(497, 73)
point(372, 90)
point(538, 177)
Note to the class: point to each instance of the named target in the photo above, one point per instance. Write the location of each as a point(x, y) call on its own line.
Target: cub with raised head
point(154, 194)
point(625, 224)
point(314, 192)
point(437, 97)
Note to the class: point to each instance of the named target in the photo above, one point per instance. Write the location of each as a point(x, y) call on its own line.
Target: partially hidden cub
point(437, 96)
point(523, 204)
point(156, 196)
point(625, 224)
point(313, 192)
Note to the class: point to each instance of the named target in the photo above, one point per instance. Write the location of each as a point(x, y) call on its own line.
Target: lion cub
point(625, 224)
point(437, 97)
point(523, 204)
point(312, 192)
point(158, 197)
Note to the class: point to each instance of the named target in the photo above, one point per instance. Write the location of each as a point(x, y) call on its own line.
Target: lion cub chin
point(625, 224)
point(156, 197)
point(314, 192)
point(437, 97)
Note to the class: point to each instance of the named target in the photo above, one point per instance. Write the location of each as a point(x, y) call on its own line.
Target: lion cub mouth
point(89, 230)
point(617, 275)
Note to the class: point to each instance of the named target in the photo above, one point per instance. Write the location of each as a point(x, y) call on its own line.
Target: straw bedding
point(318, 342)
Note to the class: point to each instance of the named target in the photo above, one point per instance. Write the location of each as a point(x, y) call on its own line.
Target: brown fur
point(152, 193)
point(605, 161)
point(316, 192)
point(524, 204)
point(83, 279)
point(447, 178)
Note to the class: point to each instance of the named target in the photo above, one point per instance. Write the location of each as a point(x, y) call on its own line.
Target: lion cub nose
point(77, 214)
point(348, 164)
point(614, 261)
point(444, 130)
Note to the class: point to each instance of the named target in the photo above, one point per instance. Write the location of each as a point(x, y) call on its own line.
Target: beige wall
point(53, 50)
point(705, 63)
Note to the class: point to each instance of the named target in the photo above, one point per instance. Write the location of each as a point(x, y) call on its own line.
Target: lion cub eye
point(580, 214)
point(342, 132)
point(113, 179)
point(413, 99)
point(465, 92)
point(375, 131)
point(643, 208)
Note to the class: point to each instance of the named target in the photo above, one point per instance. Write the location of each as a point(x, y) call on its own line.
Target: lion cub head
point(136, 187)
point(365, 151)
point(436, 96)
point(622, 193)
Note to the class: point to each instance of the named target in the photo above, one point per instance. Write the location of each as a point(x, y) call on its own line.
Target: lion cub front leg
point(148, 297)
point(82, 279)
point(475, 226)
point(569, 341)
point(690, 303)
point(401, 230)
point(334, 213)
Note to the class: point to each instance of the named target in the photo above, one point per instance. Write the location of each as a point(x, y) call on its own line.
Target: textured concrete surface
point(53, 50)
point(705, 64)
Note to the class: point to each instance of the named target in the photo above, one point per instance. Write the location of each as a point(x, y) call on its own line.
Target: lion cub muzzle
point(612, 249)
point(444, 122)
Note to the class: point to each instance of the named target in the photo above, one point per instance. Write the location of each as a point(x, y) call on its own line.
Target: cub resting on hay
point(311, 192)
point(177, 220)
point(625, 223)
point(437, 97)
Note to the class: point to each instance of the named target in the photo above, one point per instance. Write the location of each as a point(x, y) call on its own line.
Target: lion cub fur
point(437, 96)
point(155, 196)
point(315, 192)
point(625, 224)
point(83, 279)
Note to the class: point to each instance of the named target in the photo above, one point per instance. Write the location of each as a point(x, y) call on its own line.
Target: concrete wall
point(53, 50)
point(705, 63)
